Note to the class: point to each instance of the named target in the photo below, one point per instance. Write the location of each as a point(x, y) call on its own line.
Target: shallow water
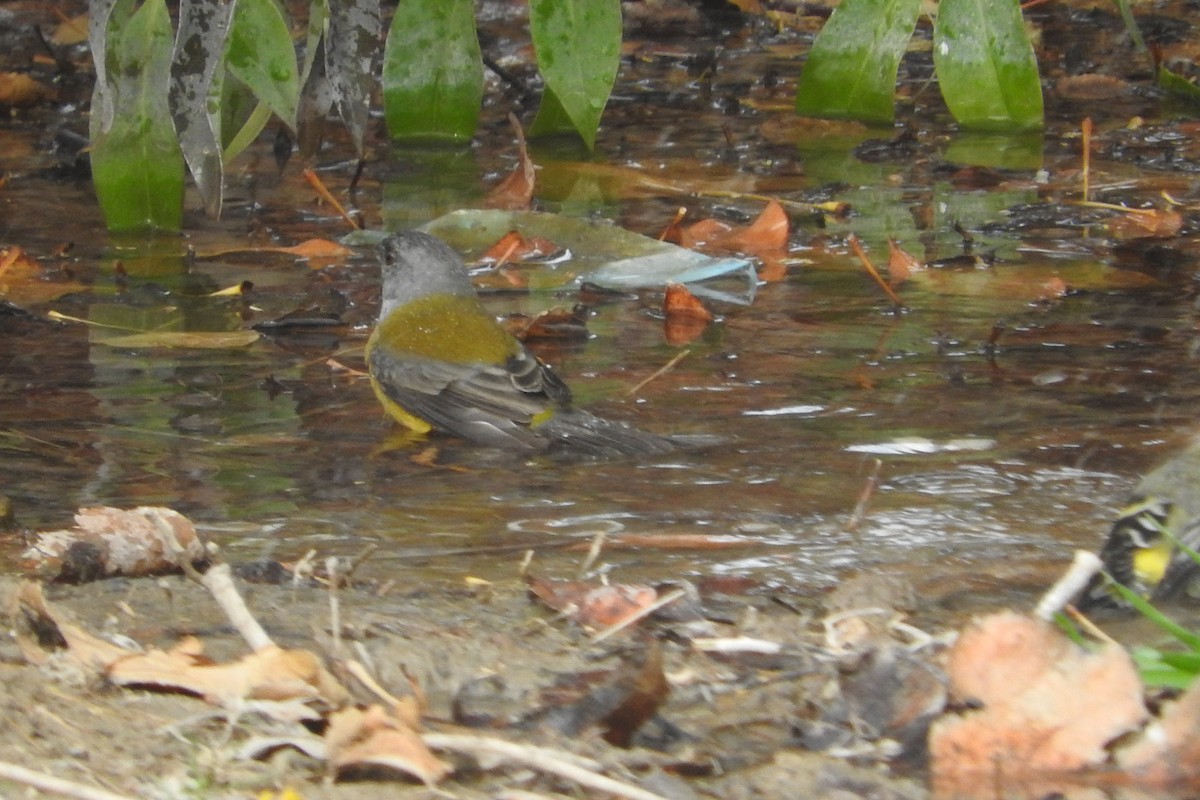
point(995, 461)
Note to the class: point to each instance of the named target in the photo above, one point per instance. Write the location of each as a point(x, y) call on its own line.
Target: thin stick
point(335, 606)
point(658, 373)
point(864, 497)
point(557, 762)
point(315, 181)
point(1085, 565)
point(1087, 155)
point(219, 582)
point(61, 786)
point(856, 246)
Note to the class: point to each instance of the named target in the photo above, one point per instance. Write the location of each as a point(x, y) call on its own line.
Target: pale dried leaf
point(360, 739)
point(1046, 705)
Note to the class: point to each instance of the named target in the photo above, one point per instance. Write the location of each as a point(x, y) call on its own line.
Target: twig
point(335, 606)
point(664, 369)
point(219, 582)
point(593, 552)
point(1085, 565)
point(864, 497)
point(315, 181)
point(61, 786)
point(558, 762)
point(856, 246)
point(1086, 128)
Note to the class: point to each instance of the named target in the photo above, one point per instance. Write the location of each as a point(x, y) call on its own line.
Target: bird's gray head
point(416, 265)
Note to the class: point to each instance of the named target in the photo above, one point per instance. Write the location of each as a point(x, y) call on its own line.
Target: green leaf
point(1147, 610)
point(432, 71)
point(578, 46)
point(137, 166)
point(986, 66)
point(260, 54)
point(551, 117)
point(851, 69)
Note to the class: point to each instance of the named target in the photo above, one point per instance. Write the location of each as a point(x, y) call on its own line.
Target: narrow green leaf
point(578, 46)
point(350, 48)
point(195, 65)
point(260, 54)
point(986, 66)
point(1147, 610)
point(551, 117)
point(137, 166)
point(432, 71)
point(851, 69)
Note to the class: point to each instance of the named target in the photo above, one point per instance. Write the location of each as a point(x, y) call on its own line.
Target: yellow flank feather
point(1150, 563)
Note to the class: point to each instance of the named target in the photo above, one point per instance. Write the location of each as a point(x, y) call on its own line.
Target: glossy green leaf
point(260, 55)
point(551, 117)
point(851, 69)
point(578, 46)
point(986, 66)
point(137, 166)
point(432, 71)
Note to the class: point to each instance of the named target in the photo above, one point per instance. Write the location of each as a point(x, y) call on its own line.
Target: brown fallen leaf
point(107, 542)
point(515, 191)
point(1042, 704)
point(901, 264)
point(592, 605)
point(516, 248)
point(365, 741)
point(23, 283)
point(684, 317)
point(73, 30)
point(19, 90)
point(44, 633)
point(553, 324)
point(271, 673)
point(1158, 223)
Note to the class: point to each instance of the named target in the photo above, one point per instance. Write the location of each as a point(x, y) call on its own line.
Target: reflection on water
point(279, 446)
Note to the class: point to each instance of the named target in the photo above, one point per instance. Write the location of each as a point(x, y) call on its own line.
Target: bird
point(1145, 548)
point(438, 361)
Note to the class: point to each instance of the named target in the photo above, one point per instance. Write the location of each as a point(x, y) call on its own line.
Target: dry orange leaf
point(513, 247)
point(901, 264)
point(515, 192)
point(19, 90)
point(316, 248)
point(70, 31)
point(767, 234)
point(1161, 223)
point(1045, 705)
point(22, 282)
point(362, 739)
point(593, 605)
point(679, 302)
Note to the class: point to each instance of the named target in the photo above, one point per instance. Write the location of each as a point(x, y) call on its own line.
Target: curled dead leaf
point(1043, 705)
point(364, 741)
